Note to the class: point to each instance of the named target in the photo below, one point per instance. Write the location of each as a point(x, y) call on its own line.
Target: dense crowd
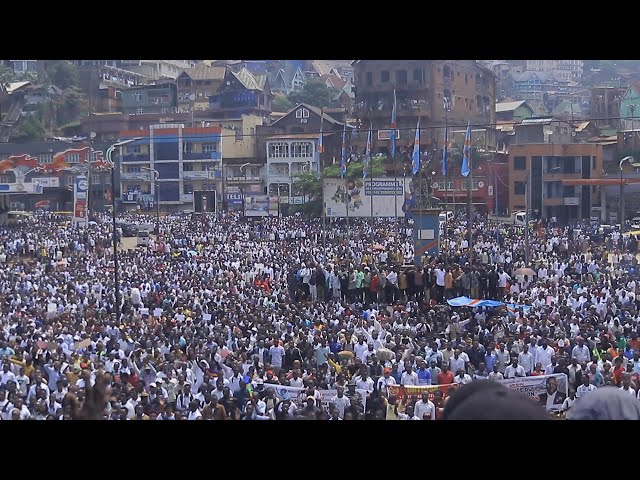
point(222, 318)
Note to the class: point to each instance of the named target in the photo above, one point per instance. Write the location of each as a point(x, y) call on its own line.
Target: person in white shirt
point(569, 401)
point(340, 402)
point(424, 405)
point(385, 381)
point(496, 375)
point(586, 387)
point(626, 384)
point(514, 370)
point(462, 378)
point(525, 358)
point(194, 411)
point(544, 353)
point(409, 377)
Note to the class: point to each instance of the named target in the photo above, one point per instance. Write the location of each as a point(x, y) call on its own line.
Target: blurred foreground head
point(488, 400)
point(606, 403)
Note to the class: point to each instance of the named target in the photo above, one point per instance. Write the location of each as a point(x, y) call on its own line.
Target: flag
point(393, 126)
point(466, 156)
point(416, 150)
point(444, 152)
point(320, 140)
point(367, 154)
point(343, 160)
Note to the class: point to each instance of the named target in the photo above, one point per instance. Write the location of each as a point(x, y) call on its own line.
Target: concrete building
point(157, 98)
point(157, 69)
point(605, 105)
point(188, 161)
point(563, 69)
point(197, 85)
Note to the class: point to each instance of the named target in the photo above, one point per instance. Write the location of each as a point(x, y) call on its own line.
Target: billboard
point(261, 206)
point(80, 194)
point(382, 197)
point(47, 182)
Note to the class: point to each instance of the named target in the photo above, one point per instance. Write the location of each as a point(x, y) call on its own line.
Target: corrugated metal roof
point(16, 86)
point(508, 106)
point(203, 72)
point(250, 81)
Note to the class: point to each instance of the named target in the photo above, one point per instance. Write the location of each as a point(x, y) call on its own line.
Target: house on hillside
point(513, 111)
point(242, 93)
point(195, 86)
point(286, 79)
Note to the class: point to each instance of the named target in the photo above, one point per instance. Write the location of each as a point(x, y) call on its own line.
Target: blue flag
point(343, 160)
point(367, 154)
point(394, 126)
point(416, 150)
point(466, 155)
point(444, 152)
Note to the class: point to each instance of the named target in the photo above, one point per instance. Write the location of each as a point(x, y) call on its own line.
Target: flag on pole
point(416, 150)
point(343, 160)
point(367, 154)
point(444, 153)
point(321, 140)
point(393, 126)
point(466, 155)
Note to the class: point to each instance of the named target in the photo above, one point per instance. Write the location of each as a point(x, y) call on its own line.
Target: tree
point(281, 104)
point(354, 168)
point(62, 74)
point(311, 186)
point(314, 93)
point(30, 130)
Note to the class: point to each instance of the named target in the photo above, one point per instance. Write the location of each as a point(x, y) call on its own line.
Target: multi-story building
point(630, 118)
point(543, 155)
point(242, 93)
point(157, 98)
point(189, 165)
point(421, 87)
point(535, 86)
point(197, 85)
point(563, 69)
point(24, 66)
point(157, 69)
point(605, 105)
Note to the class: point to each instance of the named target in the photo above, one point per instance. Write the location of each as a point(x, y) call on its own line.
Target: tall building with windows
point(188, 162)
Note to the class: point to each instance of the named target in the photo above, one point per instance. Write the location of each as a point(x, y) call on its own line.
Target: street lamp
point(630, 160)
point(244, 188)
point(116, 278)
point(156, 177)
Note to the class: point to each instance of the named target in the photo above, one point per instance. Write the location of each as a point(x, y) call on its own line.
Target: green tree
point(314, 93)
point(281, 104)
point(311, 186)
point(62, 74)
point(354, 168)
point(30, 130)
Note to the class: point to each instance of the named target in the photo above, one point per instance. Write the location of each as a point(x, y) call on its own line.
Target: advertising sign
point(378, 197)
point(80, 195)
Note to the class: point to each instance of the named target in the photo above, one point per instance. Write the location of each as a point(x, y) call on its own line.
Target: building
point(24, 66)
point(563, 69)
point(502, 69)
point(543, 155)
point(157, 98)
point(629, 124)
point(421, 87)
point(513, 111)
point(187, 159)
point(157, 69)
point(103, 83)
point(605, 105)
point(197, 85)
point(289, 146)
point(535, 86)
point(242, 93)
point(54, 166)
point(288, 78)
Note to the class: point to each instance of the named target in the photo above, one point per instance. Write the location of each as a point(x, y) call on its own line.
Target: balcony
point(186, 197)
point(554, 202)
point(136, 157)
point(249, 178)
point(202, 174)
point(571, 201)
point(139, 176)
point(201, 156)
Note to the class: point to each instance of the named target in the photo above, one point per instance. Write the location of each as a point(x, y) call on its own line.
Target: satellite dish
point(192, 97)
point(548, 131)
point(92, 135)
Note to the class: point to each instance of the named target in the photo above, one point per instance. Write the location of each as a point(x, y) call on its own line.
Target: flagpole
point(392, 135)
point(420, 192)
point(369, 160)
point(324, 203)
point(469, 193)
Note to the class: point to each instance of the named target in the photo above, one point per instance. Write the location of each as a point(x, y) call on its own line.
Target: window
point(73, 158)
point(447, 73)
point(187, 147)
point(401, 77)
point(133, 149)
point(139, 111)
point(384, 76)
point(302, 113)
point(137, 96)
point(134, 170)
point(369, 78)
point(417, 75)
point(187, 188)
point(95, 179)
point(278, 150)
point(519, 188)
point(466, 79)
point(519, 163)
point(301, 149)
point(69, 180)
point(5, 179)
point(209, 147)
point(209, 187)
point(187, 167)
point(45, 158)
point(240, 135)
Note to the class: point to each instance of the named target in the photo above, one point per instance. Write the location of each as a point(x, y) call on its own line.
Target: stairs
point(12, 118)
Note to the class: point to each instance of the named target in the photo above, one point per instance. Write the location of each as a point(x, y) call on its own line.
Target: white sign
point(387, 195)
point(47, 182)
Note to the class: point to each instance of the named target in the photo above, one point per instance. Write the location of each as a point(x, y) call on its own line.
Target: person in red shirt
point(445, 377)
point(618, 370)
point(537, 370)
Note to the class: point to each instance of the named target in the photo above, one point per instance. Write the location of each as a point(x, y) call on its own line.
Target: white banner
point(299, 397)
point(388, 194)
point(549, 390)
point(80, 196)
point(47, 182)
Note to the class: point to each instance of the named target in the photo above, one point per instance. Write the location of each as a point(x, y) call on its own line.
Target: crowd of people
point(277, 318)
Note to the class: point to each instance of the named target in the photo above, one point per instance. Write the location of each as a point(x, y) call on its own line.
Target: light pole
point(116, 278)
point(156, 177)
point(244, 188)
point(621, 203)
